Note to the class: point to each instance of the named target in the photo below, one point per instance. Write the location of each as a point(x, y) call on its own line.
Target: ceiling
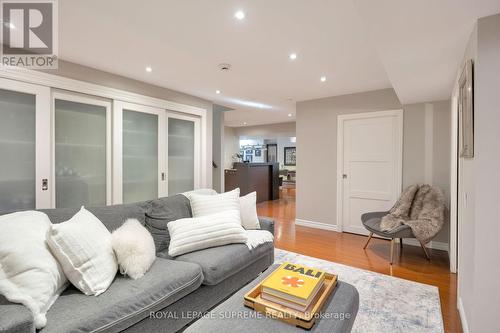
point(359, 45)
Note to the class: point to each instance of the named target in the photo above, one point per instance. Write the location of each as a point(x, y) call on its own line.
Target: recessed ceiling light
point(323, 78)
point(293, 56)
point(244, 123)
point(240, 15)
point(149, 69)
point(217, 92)
point(289, 115)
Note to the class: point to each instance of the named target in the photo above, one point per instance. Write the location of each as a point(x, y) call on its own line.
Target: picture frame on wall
point(466, 110)
point(290, 156)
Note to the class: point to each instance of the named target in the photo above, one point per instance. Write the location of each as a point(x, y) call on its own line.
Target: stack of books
point(294, 286)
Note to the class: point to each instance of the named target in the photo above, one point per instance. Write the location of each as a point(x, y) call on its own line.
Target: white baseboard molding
point(431, 244)
point(463, 318)
point(317, 225)
point(334, 227)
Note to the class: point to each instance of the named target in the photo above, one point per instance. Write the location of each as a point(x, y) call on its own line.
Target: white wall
point(270, 131)
point(487, 167)
point(231, 146)
point(478, 269)
point(426, 149)
point(217, 148)
point(317, 148)
point(466, 209)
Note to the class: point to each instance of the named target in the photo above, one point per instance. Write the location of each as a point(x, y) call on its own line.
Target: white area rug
point(386, 303)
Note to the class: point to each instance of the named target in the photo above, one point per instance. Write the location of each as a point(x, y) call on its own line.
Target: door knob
point(344, 176)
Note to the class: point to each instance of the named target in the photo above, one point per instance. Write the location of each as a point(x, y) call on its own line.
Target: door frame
point(341, 119)
point(197, 146)
point(90, 100)
point(454, 181)
point(118, 107)
point(267, 151)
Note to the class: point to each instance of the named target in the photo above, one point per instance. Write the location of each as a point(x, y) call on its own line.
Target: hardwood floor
point(347, 249)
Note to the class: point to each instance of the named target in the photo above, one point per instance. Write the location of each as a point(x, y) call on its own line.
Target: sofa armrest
point(373, 215)
point(266, 223)
point(15, 318)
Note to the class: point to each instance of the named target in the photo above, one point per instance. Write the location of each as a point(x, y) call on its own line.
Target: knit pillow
point(198, 233)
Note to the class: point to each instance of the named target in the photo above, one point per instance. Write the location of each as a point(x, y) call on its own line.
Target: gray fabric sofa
point(174, 292)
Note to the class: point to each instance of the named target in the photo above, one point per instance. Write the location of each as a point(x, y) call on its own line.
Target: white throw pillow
point(197, 233)
point(82, 245)
point(134, 248)
point(29, 274)
point(203, 191)
point(248, 211)
point(203, 205)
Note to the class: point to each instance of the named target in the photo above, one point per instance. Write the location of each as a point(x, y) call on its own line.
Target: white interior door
point(369, 165)
point(81, 150)
point(24, 146)
point(139, 153)
point(183, 153)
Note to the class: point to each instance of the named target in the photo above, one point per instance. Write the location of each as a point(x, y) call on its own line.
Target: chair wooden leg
point(368, 241)
point(401, 244)
point(392, 249)
point(425, 251)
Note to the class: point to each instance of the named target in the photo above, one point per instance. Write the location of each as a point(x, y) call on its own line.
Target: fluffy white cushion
point(29, 274)
point(134, 248)
point(248, 211)
point(82, 245)
point(192, 234)
point(203, 205)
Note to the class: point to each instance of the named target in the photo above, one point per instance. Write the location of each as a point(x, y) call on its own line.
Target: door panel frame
point(42, 137)
point(48, 81)
point(117, 160)
point(398, 175)
point(90, 100)
point(197, 147)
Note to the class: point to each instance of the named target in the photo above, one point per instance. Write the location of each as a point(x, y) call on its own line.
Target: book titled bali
point(292, 285)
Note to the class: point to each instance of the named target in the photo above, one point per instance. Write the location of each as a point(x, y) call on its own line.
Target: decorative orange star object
point(292, 281)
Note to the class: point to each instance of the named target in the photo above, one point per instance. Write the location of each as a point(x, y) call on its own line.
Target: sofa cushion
point(15, 318)
point(111, 216)
point(126, 301)
point(160, 213)
point(219, 263)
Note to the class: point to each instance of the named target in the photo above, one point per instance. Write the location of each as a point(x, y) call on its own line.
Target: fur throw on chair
point(422, 208)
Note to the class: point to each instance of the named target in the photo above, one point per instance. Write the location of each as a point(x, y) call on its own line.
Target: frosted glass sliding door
point(82, 151)
point(138, 158)
point(183, 153)
point(20, 187)
point(17, 150)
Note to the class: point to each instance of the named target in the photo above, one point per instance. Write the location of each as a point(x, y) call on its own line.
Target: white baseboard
point(463, 318)
point(431, 244)
point(317, 225)
point(334, 227)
